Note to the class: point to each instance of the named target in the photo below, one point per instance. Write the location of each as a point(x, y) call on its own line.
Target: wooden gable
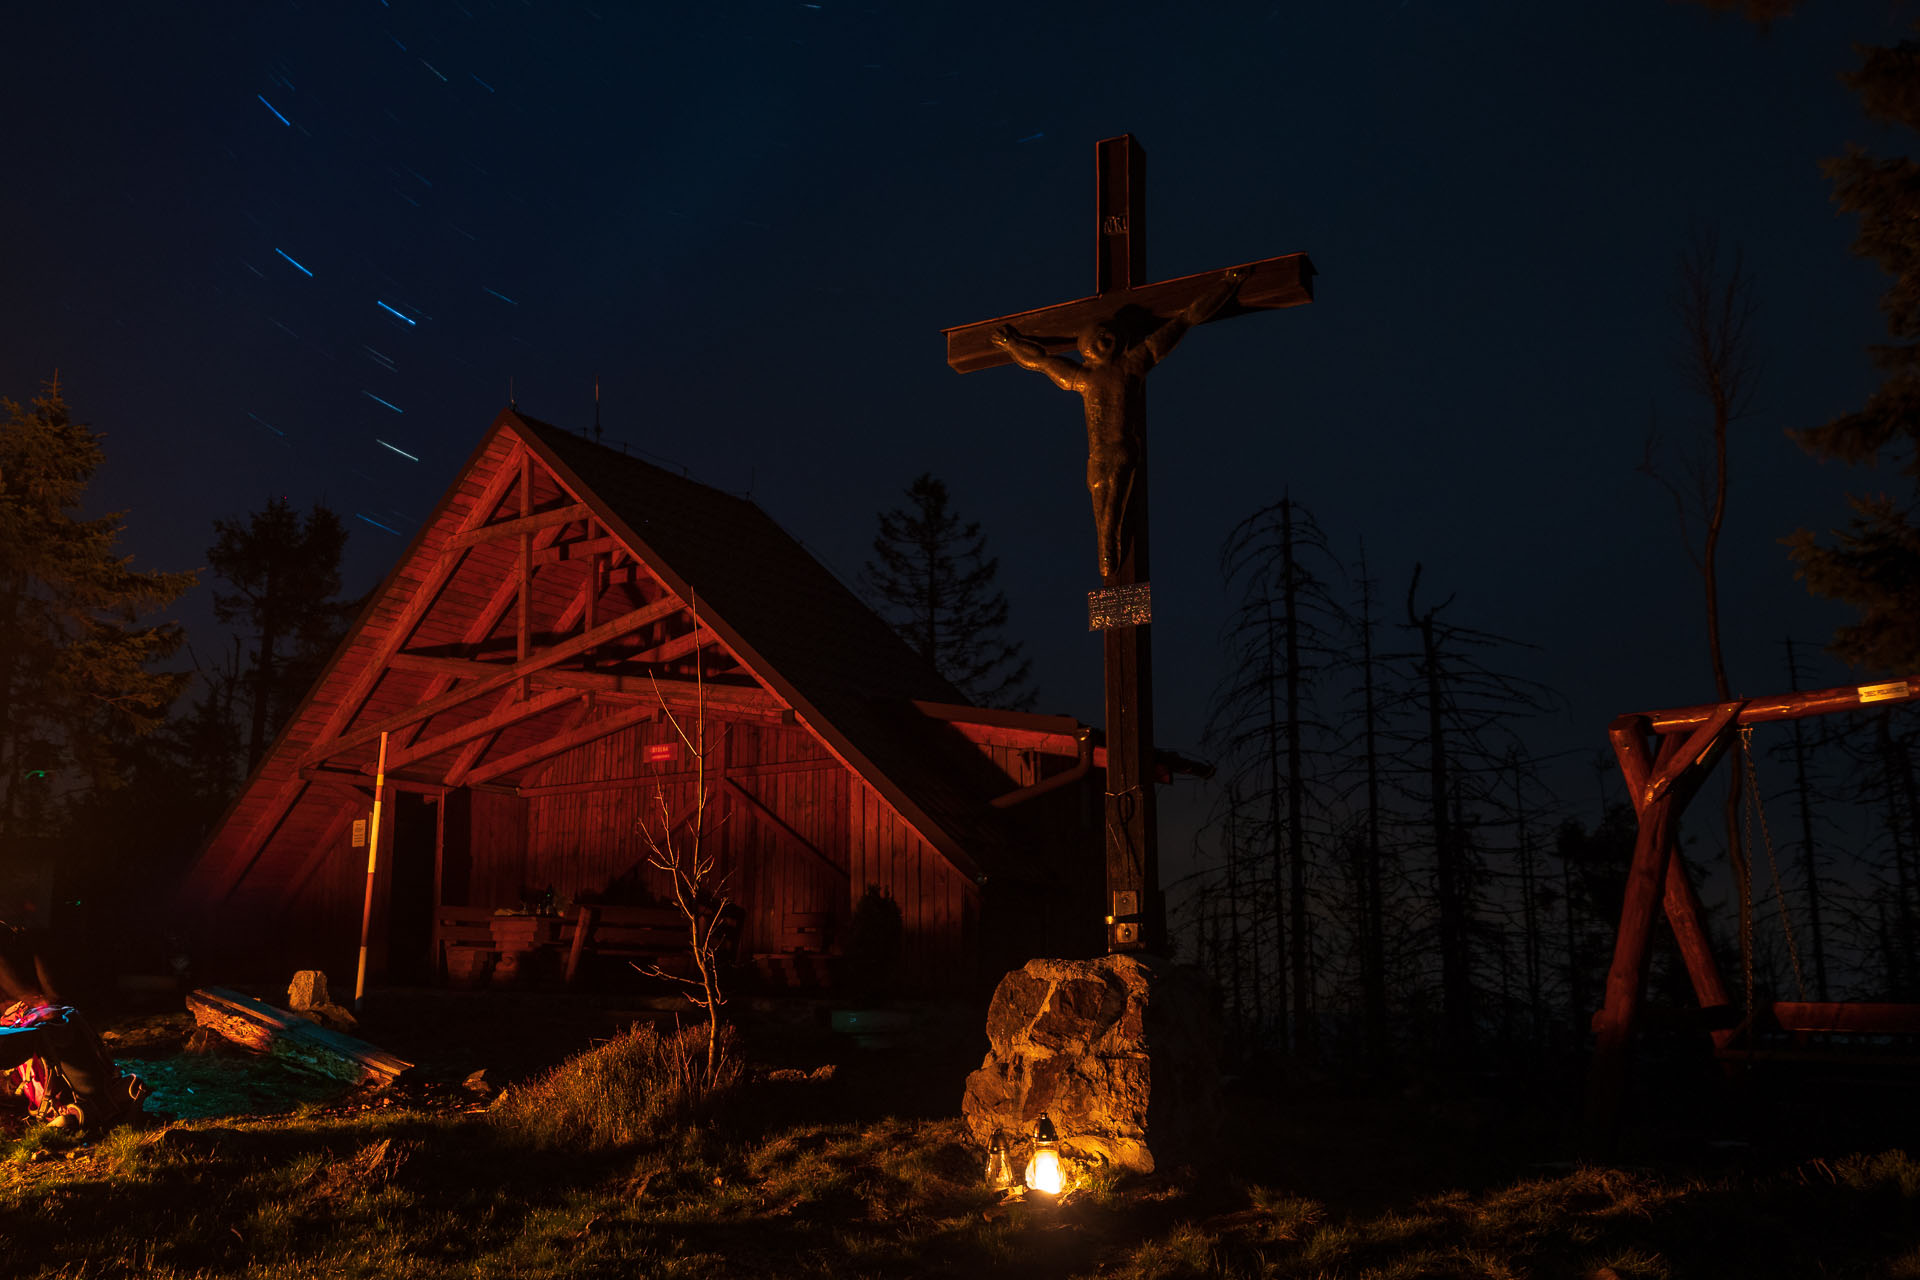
point(523, 652)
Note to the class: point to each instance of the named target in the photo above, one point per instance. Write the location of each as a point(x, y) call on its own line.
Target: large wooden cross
point(1121, 611)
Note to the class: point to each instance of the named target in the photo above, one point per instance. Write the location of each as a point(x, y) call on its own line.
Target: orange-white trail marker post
point(373, 861)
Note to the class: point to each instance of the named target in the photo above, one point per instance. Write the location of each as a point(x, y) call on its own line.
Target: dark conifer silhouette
point(1873, 564)
point(284, 572)
point(74, 662)
point(934, 582)
point(209, 739)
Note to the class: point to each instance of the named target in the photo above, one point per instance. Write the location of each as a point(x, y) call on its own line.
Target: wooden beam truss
point(419, 601)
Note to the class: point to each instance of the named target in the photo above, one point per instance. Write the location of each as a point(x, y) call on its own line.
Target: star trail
point(277, 236)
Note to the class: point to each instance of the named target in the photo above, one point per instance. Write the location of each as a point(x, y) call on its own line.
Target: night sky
point(304, 250)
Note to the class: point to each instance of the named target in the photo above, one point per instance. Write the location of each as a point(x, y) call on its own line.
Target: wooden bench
point(804, 959)
point(806, 931)
point(645, 935)
point(462, 941)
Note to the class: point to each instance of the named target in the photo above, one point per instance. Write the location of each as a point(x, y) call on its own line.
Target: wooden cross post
point(1122, 610)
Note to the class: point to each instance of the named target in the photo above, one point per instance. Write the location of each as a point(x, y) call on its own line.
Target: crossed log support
point(1660, 785)
point(1661, 779)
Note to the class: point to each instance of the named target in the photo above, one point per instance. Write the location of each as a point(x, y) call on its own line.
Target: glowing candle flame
point(1043, 1172)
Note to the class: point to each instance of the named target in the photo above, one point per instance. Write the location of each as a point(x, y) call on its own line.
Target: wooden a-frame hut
point(518, 657)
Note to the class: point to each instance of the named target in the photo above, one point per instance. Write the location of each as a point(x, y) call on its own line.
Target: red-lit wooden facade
point(518, 658)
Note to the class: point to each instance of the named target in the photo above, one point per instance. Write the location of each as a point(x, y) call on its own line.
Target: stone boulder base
point(308, 990)
point(1117, 1051)
point(308, 996)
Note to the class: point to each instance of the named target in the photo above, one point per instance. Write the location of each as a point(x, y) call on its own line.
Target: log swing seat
point(1664, 757)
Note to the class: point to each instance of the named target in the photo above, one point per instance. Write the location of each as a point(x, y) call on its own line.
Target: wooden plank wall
point(320, 926)
point(939, 929)
point(775, 877)
point(590, 841)
point(498, 871)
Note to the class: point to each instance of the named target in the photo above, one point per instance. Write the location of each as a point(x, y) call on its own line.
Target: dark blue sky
point(751, 221)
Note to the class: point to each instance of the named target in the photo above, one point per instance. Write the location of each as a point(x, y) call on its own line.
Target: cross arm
point(1271, 283)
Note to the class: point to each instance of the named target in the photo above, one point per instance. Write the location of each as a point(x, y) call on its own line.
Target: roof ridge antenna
point(596, 408)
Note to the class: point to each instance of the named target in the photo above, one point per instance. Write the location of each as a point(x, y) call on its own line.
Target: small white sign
point(359, 833)
point(1883, 692)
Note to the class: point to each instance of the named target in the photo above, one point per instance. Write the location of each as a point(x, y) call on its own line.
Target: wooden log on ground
point(292, 1039)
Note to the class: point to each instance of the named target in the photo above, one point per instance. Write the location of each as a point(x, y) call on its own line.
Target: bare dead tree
point(1809, 857)
point(1281, 639)
point(1366, 715)
point(1467, 733)
point(682, 850)
point(1456, 983)
point(1716, 307)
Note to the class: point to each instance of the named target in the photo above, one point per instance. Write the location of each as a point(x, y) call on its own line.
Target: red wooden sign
point(659, 752)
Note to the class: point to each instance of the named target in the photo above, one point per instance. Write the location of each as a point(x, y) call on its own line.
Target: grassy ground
point(854, 1173)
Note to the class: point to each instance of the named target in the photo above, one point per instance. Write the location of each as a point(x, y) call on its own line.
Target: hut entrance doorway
point(410, 904)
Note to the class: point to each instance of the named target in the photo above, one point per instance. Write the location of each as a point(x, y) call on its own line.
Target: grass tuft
point(1891, 1169)
point(637, 1088)
point(1636, 1264)
point(1187, 1252)
point(1290, 1216)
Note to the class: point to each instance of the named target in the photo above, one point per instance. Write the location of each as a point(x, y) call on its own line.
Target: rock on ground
point(309, 996)
point(1119, 1052)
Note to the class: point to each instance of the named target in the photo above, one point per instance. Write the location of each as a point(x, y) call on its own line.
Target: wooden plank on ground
point(295, 1041)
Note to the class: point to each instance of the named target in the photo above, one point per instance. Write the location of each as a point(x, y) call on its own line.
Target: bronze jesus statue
point(1110, 378)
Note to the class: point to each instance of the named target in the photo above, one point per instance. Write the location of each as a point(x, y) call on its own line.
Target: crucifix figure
point(1121, 331)
point(1110, 378)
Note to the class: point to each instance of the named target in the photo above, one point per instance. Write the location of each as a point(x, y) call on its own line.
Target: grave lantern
point(999, 1162)
point(1043, 1171)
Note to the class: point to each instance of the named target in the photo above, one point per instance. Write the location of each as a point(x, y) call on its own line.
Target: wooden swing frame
point(1664, 758)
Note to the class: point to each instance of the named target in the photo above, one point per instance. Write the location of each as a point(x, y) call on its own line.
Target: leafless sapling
point(683, 849)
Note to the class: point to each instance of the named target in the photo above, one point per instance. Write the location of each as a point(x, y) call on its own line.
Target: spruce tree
point(74, 661)
point(933, 579)
point(285, 577)
point(1874, 563)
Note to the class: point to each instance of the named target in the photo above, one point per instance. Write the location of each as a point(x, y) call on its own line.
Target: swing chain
point(1743, 879)
point(1754, 807)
